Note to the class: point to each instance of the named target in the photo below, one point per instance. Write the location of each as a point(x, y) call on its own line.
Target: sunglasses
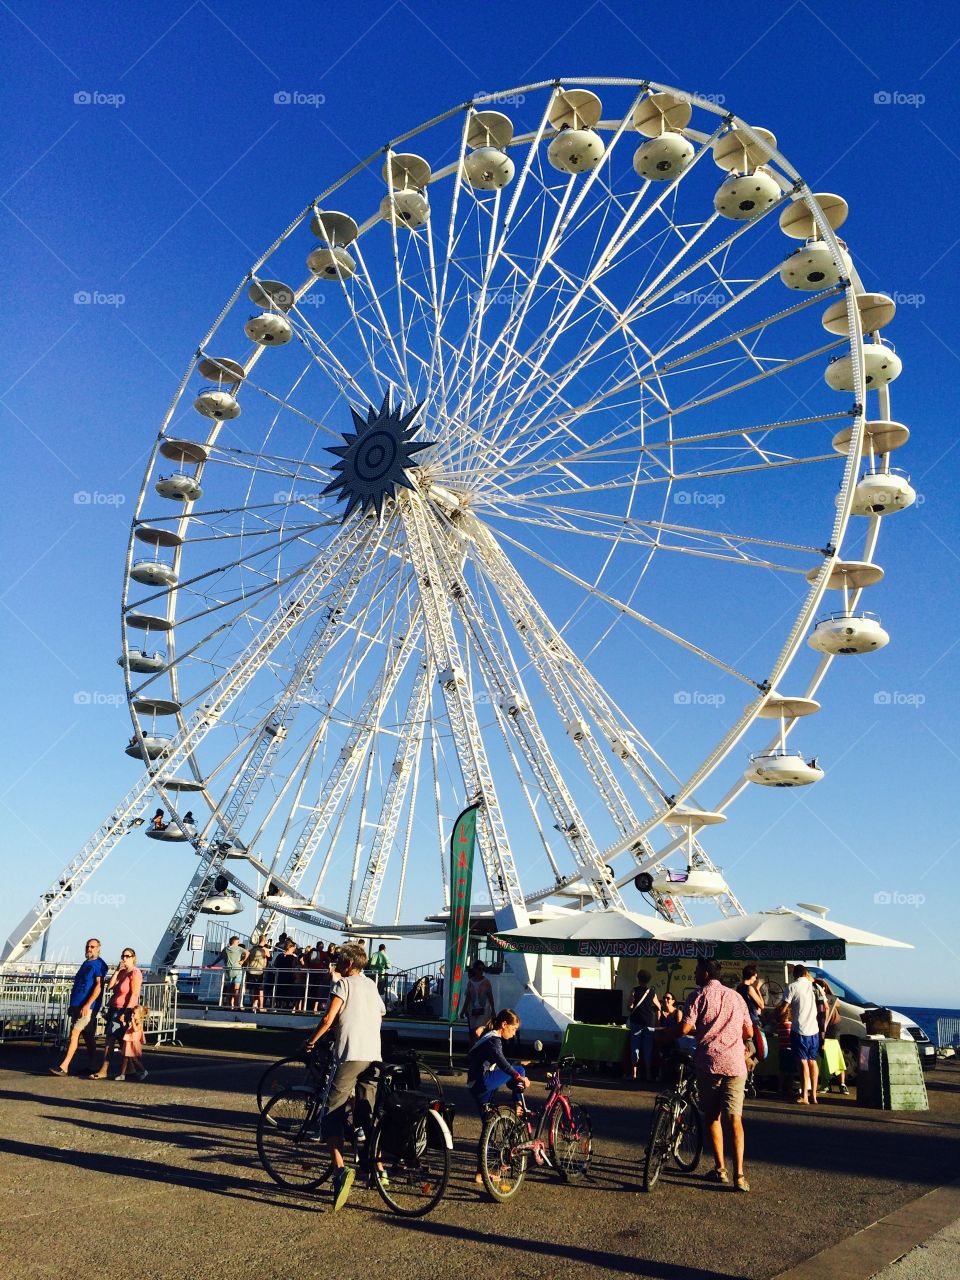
point(129, 955)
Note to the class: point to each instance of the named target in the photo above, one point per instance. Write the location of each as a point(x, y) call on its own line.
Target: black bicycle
point(405, 1157)
point(677, 1127)
point(295, 1072)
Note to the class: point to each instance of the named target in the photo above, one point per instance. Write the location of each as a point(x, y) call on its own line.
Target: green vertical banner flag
point(462, 844)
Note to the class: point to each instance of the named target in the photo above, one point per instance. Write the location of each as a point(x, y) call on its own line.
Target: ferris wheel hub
point(377, 460)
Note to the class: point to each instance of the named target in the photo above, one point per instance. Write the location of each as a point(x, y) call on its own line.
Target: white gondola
point(576, 148)
point(881, 365)
point(879, 437)
point(331, 264)
point(174, 832)
point(798, 222)
point(695, 882)
point(812, 267)
point(179, 487)
point(283, 901)
point(181, 784)
point(155, 746)
point(213, 402)
point(882, 493)
point(848, 632)
point(155, 536)
point(842, 633)
point(149, 706)
point(663, 159)
point(785, 768)
point(141, 662)
point(222, 904)
point(185, 452)
point(743, 197)
point(488, 167)
point(405, 204)
point(147, 621)
point(153, 573)
point(269, 330)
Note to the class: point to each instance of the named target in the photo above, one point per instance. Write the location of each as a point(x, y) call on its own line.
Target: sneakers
point(141, 1077)
point(342, 1182)
point(844, 1089)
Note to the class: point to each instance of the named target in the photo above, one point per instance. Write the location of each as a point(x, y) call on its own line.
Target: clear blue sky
point(168, 184)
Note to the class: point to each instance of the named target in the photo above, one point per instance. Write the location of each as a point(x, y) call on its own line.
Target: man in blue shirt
point(85, 1000)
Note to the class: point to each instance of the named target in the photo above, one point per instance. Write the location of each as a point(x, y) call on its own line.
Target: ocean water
point(927, 1018)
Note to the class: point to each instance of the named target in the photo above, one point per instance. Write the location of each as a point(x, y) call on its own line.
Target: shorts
point(233, 980)
point(78, 1020)
point(349, 1076)
point(805, 1048)
point(720, 1095)
point(254, 981)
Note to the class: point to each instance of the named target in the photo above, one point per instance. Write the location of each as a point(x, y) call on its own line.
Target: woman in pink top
point(123, 990)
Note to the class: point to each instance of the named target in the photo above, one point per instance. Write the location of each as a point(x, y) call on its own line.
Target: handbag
point(760, 1046)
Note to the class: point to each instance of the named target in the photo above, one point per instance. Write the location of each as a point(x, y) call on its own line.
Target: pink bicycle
point(559, 1136)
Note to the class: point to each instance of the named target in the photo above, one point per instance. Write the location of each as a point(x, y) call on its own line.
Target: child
point(133, 1042)
point(488, 1068)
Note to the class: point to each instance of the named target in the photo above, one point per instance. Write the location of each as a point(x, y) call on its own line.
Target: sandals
point(741, 1182)
point(57, 1071)
point(717, 1175)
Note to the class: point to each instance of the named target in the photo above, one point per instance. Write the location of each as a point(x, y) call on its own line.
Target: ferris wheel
point(558, 411)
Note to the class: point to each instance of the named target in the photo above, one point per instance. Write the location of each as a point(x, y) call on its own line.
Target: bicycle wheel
point(658, 1145)
point(571, 1141)
point(688, 1147)
point(429, 1082)
point(412, 1187)
point(503, 1166)
point(290, 1156)
point(288, 1073)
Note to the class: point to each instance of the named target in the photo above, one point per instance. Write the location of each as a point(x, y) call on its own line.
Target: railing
point(36, 1007)
point(948, 1033)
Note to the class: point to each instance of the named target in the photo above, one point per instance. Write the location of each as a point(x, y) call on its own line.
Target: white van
point(852, 1031)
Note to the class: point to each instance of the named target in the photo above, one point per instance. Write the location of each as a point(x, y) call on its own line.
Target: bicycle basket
point(404, 1128)
point(446, 1109)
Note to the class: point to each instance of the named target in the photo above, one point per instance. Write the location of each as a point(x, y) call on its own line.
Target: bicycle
point(406, 1156)
point(294, 1072)
point(677, 1126)
point(509, 1139)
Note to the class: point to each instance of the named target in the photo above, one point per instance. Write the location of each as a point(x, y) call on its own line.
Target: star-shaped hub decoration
point(377, 459)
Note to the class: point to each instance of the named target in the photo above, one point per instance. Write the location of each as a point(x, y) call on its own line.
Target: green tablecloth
point(591, 1043)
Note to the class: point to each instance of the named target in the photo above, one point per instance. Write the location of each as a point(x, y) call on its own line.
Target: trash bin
point(890, 1076)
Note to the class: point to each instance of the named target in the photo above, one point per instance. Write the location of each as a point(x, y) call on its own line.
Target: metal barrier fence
point(36, 1007)
point(948, 1033)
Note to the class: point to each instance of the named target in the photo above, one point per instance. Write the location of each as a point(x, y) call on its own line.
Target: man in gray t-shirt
point(353, 1018)
point(233, 956)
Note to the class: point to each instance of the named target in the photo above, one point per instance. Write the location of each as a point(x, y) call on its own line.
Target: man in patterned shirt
point(719, 1020)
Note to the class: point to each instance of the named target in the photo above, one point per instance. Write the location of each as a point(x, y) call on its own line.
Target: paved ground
point(163, 1177)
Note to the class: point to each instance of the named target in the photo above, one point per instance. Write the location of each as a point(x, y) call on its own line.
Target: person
point(124, 991)
point(805, 1038)
point(353, 1018)
point(380, 964)
point(255, 964)
point(287, 968)
point(749, 990)
point(318, 980)
point(133, 1044)
point(786, 1067)
point(670, 1012)
point(487, 1067)
point(478, 1006)
point(233, 956)
point(644, 1011)
point(188, 819)
point(86, 997)
point(834, 1062)
point(157, 823)
point(717, 1018)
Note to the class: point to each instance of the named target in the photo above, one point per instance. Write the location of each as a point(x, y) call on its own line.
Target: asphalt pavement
point(162, 1179)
